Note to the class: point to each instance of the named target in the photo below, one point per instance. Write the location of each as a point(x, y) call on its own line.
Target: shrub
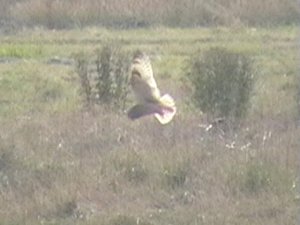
point(126, 220)
point(298, 99)
point(67, 209)
point(257, 177)
point(105, 80)
point(175, 174)
point(222, 82)
point(82, 71)
point(175, 178)
point(112, 75)
point(132, 167)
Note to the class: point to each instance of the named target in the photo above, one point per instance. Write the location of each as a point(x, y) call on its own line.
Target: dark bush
point(222, 82)
point(104, 76)
point(298, 100)
point(112, 75)
point(256, 177)
point(82, 70)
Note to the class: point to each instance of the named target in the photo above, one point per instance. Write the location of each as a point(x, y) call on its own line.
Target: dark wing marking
point(141, 110)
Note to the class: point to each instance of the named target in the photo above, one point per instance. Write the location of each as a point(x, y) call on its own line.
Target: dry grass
point(129, 13)
point(85, 168)
point(62, 164)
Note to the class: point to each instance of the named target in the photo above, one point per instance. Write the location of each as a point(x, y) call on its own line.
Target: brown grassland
point(64, 163)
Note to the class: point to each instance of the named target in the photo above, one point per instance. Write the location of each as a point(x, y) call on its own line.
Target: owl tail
point(168, 109)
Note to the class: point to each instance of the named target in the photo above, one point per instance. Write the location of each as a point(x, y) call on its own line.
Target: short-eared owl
point(143, 84)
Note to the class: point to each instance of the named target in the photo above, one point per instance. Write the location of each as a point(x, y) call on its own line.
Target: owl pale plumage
point(144, 86)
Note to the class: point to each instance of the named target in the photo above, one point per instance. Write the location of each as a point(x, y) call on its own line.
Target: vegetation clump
point(104, 77)
point(222, 81)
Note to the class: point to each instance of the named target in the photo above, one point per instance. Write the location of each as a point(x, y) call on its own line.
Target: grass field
point(61, 163)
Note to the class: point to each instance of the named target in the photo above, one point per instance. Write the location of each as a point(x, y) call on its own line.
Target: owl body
point(147, 93)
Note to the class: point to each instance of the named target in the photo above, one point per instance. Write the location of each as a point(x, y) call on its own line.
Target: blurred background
point(54, 14)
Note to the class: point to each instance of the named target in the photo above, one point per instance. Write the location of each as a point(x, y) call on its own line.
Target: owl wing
point(142, 79)
point(148, 95)
point(141, 110)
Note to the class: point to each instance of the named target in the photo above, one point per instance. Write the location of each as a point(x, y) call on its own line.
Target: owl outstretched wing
point(142, 79)
point(144, 86)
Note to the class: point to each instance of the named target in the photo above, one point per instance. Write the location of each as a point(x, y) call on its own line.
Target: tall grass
point(129, 13)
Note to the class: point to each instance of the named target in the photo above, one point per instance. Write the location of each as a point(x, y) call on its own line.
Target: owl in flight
point(150, 101)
